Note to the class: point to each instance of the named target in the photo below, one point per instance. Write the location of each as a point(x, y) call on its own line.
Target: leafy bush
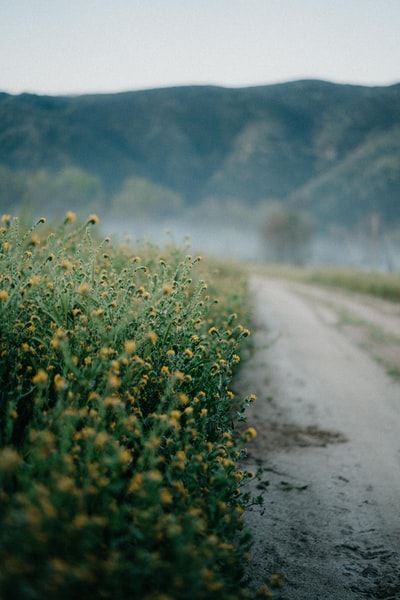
point(118, 441)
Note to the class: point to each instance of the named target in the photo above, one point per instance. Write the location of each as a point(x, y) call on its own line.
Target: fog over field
point(246, 242)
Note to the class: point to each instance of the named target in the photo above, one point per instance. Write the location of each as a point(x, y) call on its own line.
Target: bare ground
point(328, 444)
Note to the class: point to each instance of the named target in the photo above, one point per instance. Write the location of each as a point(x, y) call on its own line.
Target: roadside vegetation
point(120, 436)
point(382, 285)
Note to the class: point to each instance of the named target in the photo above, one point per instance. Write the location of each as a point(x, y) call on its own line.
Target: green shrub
point(118, 441)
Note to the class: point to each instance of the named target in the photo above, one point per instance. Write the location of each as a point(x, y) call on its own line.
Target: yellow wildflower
point(153, 443)
point(130, 346)
point(67, 264)
point(179, 375)
point(112, 401)
point(153, 337)
point(180, 460)
point(183, 399)
point(165, 496)
point(66, 484)
point(93, 219)
point(136, 483)
point(178, 485)
point(3, 295)
point(84, 288)
point(213, 330)
point(80, 521)
point(250, 433)
point(59, 383)
point(167, 289)
point(125, 456)
point(101, 439)
point(154, 476)
point(114, 381)
point(40, 378)
point(33, 517)
point(87, 432)
point(9, 459)
point(70, 217)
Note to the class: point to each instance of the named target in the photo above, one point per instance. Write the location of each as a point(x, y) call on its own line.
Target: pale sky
point(80, 46)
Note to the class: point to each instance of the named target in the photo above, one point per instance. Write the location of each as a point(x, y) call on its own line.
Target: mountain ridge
point(306, 143)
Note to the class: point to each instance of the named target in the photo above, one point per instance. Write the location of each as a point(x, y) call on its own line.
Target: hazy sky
point(76, 46)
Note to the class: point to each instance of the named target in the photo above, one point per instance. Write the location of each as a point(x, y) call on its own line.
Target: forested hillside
point(331, 150)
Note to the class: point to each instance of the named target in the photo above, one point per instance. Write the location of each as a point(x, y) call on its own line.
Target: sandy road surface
point(328, 444)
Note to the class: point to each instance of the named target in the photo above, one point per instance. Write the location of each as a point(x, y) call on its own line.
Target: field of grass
point(120, 437)
point(381, 285)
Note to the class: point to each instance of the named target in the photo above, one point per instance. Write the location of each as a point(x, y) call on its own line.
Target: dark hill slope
point(322, 146)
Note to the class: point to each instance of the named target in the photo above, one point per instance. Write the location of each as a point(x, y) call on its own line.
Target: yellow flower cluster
point(116, 429)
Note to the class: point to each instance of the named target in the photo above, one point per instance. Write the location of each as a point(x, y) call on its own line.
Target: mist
point(246, 241)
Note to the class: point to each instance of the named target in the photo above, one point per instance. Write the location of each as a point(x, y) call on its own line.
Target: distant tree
point(12, 189)
point(69, 189)
point(286, 236)
point(76, 188)
point(142, 200)
point(50, 193)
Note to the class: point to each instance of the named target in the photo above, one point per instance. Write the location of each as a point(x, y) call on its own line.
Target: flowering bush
point(118, 444)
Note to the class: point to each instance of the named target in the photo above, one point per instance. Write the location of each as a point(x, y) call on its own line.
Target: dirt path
point(328, 444)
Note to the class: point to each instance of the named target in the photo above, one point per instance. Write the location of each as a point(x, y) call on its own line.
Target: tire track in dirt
point(328, 449)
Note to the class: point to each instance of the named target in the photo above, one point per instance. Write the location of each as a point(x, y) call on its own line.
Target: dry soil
point(325, 370)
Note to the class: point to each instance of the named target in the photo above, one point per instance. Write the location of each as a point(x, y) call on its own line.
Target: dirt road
point(328, 444)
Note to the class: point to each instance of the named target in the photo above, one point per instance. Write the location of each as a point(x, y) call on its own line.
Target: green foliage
point(70, 187)
point(365, 182)
point(286, 236)
point(119, 444)
point(141, 200)
point(12, 189)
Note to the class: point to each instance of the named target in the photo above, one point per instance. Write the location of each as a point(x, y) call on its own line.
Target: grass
point(120, 437)
point(381, 285)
